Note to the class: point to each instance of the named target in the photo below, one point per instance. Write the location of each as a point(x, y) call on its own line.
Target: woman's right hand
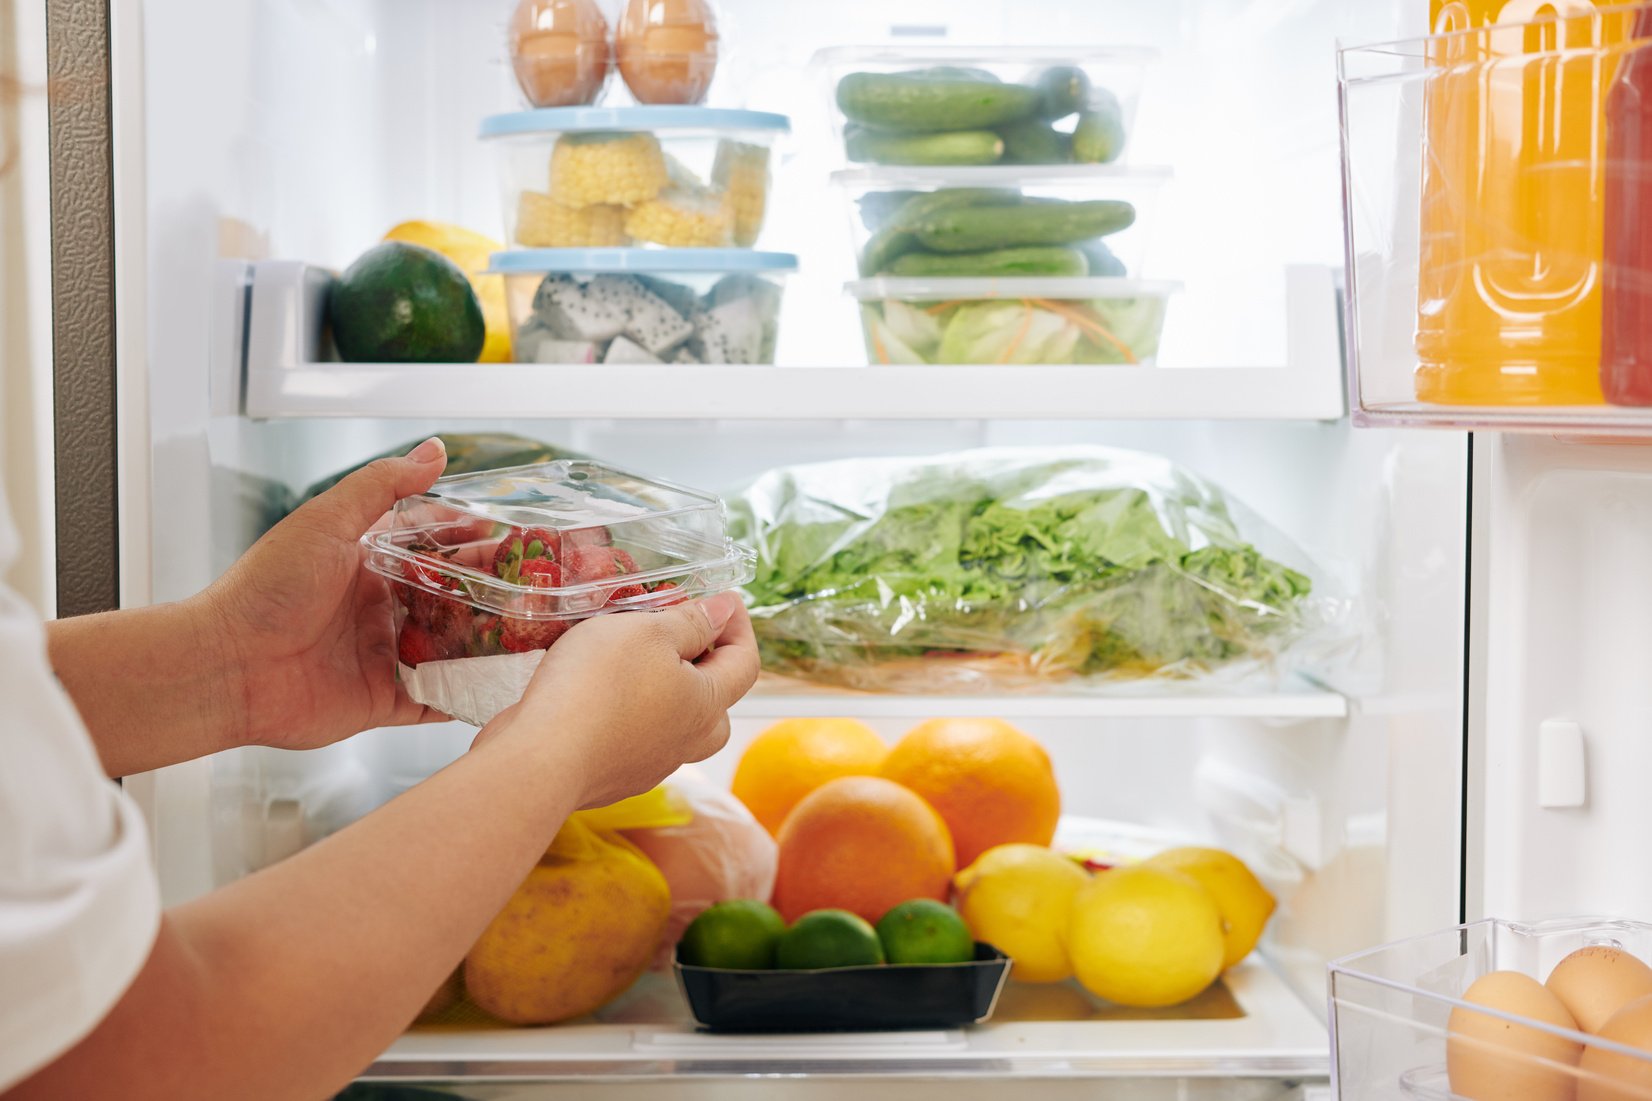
point(622, 701)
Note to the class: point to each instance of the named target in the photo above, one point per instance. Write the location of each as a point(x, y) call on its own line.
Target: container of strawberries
point(491, 569)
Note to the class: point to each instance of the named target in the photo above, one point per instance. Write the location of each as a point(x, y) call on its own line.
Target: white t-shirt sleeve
point(79, 905)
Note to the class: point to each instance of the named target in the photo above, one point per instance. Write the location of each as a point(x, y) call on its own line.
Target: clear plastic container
point(900, 217)
point(683, 306)
point(1476, 165)
point(983, 105)
point(501, 563)
point(1391, 1010)
point(559, 51)
point(1012, 321)
point(606, 177)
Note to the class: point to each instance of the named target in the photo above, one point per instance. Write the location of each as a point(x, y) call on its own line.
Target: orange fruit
point(861, 844)
point(793, 757)
point(991, 783)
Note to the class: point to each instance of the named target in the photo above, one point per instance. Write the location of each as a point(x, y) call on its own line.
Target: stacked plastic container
point(995, 216)
point(631, 229)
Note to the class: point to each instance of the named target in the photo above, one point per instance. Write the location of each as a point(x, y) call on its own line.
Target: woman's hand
point(622, 700)
point(308, 628)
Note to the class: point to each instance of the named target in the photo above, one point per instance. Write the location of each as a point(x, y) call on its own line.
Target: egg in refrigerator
point(1595, 982)
point(1614, 1076)
point(667, 49)
point(1490, 1058)
point(559, 51)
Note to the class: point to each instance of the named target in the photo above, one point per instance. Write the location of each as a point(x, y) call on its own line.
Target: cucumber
point(877, 207)
point(1044, 261)
point(1099, 136)
point(949, 147)
point(893, 238)
point(951, 72)
point(1103, 261)
point(1062, 89)
point(972, 229)
point(906, 103)
point(1033, 142)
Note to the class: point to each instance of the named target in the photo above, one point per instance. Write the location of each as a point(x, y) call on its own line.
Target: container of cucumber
point(1012, 320)
point(966, 107)
point(1051, 222)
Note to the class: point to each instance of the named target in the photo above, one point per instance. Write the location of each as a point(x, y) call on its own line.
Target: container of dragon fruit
point(627, 305)
point(666, 176)
point(489, 570)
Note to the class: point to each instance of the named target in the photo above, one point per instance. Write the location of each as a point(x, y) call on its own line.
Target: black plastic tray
point(847, 999)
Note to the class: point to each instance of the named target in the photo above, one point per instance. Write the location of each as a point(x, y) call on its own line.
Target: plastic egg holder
point(675, 177)
point(559, 51)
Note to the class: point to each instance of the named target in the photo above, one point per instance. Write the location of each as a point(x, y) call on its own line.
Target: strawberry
point(415, 645)
point(595, 563)
point(484, 635)
point(626, 592)
point(541, 573)
point(588, 537)
point(524, 545)
point(674, 598)
point(416, 595)
point(521, 635)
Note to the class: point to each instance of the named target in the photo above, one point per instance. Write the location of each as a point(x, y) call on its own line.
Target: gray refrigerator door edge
point(83, 306)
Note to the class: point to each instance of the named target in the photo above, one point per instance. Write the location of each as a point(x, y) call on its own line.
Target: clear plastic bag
point(720, 852)
point(1006, 568)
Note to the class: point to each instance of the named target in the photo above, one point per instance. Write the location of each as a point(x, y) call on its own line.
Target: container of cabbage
point(606, 177)
point(642, 306)
point(1019, 568)
point(1012, 321)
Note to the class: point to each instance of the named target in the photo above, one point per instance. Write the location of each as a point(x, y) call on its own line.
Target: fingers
point(363, 497)
point(731, 669)
point(693, 628)
point(715, 739)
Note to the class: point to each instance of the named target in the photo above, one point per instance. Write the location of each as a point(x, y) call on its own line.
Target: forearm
point(287, 983)
point(153, 685)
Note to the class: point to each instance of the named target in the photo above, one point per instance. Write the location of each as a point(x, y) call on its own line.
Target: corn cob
point(619, 169)
point(681, 219)
point(542, 222)
point(742, 172)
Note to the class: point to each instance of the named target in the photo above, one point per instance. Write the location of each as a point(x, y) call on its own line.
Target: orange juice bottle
point(1509, 284)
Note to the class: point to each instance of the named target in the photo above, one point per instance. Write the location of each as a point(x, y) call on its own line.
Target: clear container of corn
point(617, 177)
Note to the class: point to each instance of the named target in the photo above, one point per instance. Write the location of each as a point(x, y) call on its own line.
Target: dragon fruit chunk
point(730, 333)
point(574, 312)
point(624, 351)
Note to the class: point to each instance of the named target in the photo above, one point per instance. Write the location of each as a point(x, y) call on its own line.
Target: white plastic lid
point(646, 261)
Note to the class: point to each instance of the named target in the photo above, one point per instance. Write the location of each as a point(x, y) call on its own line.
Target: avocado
point(402, 303)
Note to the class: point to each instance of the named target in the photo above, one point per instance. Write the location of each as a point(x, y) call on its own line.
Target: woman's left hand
point(309, 629)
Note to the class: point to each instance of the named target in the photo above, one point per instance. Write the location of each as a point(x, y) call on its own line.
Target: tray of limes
point(743, 969)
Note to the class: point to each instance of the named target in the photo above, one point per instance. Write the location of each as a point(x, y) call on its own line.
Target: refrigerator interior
point(302, 129)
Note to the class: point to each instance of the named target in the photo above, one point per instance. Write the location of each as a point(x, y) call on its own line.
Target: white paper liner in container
point(472, 690)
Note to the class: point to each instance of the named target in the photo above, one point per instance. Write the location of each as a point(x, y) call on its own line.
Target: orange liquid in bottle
point(1509, 286)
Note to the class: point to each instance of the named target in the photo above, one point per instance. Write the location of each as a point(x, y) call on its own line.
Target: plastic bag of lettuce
point(1006, 568)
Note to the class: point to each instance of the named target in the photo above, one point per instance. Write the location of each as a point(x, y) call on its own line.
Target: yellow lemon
point(1246, 905)
point(470, 251)
point(1143, 936)
point(1016, 898)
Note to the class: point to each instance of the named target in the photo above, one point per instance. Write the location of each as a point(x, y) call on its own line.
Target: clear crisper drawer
point(1401, 1027)
point(1495, 180)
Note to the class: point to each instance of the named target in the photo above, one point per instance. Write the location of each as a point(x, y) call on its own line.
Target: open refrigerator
point(1473, 755)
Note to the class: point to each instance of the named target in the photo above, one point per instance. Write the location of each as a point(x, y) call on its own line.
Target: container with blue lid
point(643, 305)
point(611, 177)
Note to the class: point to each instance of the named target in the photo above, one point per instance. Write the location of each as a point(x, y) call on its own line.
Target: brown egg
point(1491, 1059)
point(1609, 1076)
point(1595, 982)
point(667, 50)
point(559, 51)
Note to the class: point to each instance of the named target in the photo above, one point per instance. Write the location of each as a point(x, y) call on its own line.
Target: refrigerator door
point(1560, 698)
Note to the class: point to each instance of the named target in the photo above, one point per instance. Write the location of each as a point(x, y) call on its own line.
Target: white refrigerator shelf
point(1250, 1026)
point(777, 698)
point(273, 366)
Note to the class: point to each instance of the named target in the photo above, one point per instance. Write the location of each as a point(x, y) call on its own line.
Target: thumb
point(360, 498)
point(694, 627)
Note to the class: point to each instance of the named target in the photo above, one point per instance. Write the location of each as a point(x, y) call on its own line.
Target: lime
point(925, 931)
point(738, 935)
point(828, 938)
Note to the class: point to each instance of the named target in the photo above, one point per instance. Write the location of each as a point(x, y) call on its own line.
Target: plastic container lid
point(947, 289)
point(562, 120)
point(902, 176)
point(445, 541)
point(715, 261)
